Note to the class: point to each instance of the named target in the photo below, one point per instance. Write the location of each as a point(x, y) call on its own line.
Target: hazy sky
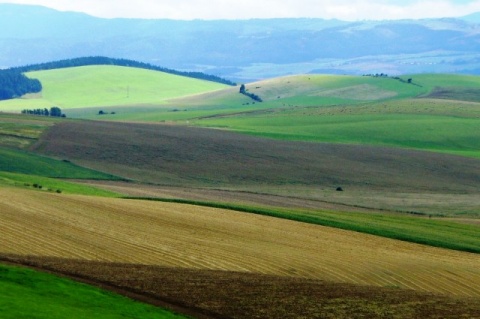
point(244, 9)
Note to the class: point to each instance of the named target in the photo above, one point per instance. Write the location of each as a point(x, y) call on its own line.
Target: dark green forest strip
point(443, 234)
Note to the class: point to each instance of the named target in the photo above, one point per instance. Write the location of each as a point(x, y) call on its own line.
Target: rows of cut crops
point(174, 235)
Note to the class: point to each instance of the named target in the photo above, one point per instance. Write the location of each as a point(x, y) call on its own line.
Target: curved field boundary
point(187, 236)
point(435, 233)
point(222, 294)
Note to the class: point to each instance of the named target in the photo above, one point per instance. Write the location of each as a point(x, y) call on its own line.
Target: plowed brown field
point(222, 294)
point(183, 236)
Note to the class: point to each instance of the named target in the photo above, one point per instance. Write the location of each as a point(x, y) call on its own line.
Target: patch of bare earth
point(221, 294)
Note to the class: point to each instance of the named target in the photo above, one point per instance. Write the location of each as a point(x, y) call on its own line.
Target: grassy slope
point(24, 169)
point(16, 161)
point(325, 108)
point(26, 293)
point(294, 108)
point(51, 185)
point(437, 132)
point(303, 90)
point(101, 86)
point(342, 109)
point(399, 121)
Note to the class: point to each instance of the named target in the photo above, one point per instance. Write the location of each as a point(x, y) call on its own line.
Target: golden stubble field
point(184, 236)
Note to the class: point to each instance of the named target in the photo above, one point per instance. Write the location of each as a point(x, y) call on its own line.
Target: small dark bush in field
point(36, 185)
point(26, 184)
point(339, 189)
point(59, 191)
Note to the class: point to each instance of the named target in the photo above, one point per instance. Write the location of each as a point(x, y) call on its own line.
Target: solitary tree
point(242, 89)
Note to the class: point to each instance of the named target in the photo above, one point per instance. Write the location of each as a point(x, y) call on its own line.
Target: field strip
point(175, 235)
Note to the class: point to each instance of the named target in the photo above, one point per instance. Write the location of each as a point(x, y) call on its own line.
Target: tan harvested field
point(190, 237)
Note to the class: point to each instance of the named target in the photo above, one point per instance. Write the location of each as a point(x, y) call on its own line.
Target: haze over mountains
point(244, 50)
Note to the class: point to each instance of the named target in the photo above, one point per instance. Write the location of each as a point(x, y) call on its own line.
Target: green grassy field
point(51, 185)
point(427, 114)
point(16, 161)
point(433, 131)
point(103, 86)
point(26, 293)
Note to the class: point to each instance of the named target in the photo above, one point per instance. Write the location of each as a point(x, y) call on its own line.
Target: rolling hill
point(315, 134)
point(441, 110)
point(103, 86)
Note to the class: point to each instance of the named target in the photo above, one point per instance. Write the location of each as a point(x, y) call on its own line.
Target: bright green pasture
point(101, 86)
point(339, 87)
point(15, 161)
point(299, 90)
point(51, 185)
point(419, 124)
point(25, 293)
point(419, 230)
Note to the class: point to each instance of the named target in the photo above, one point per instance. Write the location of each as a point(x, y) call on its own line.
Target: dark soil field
point(215, 165)
point(183, 156)
point(454, 93)
point(220, 294)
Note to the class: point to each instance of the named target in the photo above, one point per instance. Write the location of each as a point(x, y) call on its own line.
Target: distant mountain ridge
point(243, 50)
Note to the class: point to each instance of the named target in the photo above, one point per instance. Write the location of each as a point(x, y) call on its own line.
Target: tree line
point(54, 111)
point(99, 60)
point(253, 96)
point(14, 84)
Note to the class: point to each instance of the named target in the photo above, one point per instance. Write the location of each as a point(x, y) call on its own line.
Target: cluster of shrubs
point(54, 111)
point(253, 96)
point(38, 186)
point(383, 75)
